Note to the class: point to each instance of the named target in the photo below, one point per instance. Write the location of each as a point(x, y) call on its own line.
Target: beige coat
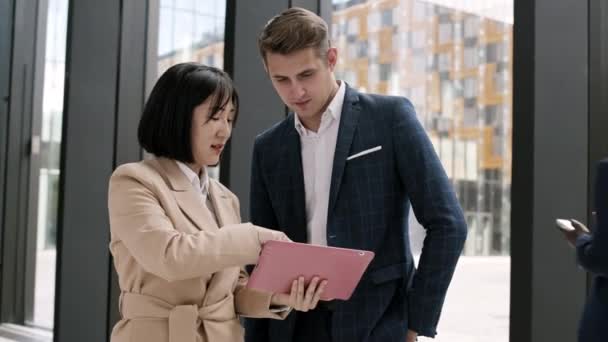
point(180, 275)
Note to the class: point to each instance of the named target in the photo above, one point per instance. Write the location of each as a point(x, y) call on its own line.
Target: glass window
point(444, 62)
point(445, 32)
point(41, 315)
point(470, 57)
point(191, 31)
point(387, 18)
point(471, 26)
point(470, 87)
point(468, 126)
point(418, 39)
point(385, 72)
point(373, 21)
point(470, 117)
point(353, 26)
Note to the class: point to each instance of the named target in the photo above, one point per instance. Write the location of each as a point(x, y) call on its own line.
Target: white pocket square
point(362, 153)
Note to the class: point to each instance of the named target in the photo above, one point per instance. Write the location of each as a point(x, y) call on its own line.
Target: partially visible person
point(177, 240)
point(592, 255)
point(342, 170)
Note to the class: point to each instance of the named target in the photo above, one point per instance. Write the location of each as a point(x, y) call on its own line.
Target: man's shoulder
point(380, 100)
point(275, 132)
point(381, 109)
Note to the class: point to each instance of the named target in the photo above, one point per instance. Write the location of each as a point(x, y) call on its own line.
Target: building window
point(445, 32)
point(387, 18)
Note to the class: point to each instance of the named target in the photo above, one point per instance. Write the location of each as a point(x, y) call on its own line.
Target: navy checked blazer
point(592, 253)
point(369, 203)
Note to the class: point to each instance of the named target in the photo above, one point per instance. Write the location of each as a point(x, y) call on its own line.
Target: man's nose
point(298, 90)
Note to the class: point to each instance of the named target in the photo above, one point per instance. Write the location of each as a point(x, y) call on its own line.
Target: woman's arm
point(138, 221)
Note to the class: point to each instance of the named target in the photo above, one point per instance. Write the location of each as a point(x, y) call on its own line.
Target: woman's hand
point(301, 299)
point(265, 235)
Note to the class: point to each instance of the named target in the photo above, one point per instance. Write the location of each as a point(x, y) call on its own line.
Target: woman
point(178, 245)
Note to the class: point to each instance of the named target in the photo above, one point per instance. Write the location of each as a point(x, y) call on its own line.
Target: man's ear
point(332, 58)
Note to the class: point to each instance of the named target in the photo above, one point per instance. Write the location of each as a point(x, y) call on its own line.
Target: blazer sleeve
point(437, 209)
point(592, 250)
point(138, 220)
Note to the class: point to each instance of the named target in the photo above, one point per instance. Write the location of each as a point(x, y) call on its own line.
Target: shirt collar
point(200, 183)
point(334, 111)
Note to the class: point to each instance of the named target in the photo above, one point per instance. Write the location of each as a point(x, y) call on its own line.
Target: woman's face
point(209, 136)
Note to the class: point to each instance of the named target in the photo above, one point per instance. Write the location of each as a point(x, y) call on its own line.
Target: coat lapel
point(346, 132)
point(291, 157)
point(186, 196)
point(224, 212)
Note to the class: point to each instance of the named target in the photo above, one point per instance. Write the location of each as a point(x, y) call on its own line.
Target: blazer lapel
point(187, 198)
point(291, 157)
point(346, 132)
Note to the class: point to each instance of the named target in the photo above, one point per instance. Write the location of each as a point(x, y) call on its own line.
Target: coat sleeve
point(437, 209)
point(248, 302)
point(138, 220)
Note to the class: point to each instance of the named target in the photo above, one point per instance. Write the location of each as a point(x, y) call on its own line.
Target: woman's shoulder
point(147, 173)
point(142, 169)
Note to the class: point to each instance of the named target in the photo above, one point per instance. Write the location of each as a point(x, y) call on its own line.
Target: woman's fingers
point(304, 298)
point(310, 293)
point(317, 295)
point(300, 297)
point(293, 295)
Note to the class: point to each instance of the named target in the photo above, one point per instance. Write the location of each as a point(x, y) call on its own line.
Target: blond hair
point(293, 30)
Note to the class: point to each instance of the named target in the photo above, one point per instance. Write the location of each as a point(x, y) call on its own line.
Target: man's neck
point(313, 123)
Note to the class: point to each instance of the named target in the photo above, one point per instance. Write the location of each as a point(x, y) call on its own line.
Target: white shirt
point(318, 151)
point(200, 183)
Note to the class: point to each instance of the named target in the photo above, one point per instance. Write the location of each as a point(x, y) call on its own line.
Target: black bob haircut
point(166, 123)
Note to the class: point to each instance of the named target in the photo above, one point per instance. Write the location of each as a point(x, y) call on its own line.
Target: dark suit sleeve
point(437, 209)
point(260, 207)
point(261, 213)
point(592, 250)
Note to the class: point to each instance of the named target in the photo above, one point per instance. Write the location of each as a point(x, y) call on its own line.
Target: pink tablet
point(281, 262)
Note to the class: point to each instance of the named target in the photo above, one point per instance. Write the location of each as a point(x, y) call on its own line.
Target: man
point(341, 171)
point(592, 255)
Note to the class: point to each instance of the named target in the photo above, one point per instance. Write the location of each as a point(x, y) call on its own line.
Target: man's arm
point(592, 250)
point(436, 207)
point(260, 210)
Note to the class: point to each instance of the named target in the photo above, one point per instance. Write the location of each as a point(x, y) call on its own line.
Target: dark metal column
point(260, 106)
point(550, 166)
point(87, 160)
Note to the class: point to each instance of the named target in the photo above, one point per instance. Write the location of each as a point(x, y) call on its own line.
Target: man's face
point(303, 80)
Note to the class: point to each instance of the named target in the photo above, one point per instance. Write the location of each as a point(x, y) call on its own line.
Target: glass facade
point(48, 143)
point(453, 60)
point(191, 31)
